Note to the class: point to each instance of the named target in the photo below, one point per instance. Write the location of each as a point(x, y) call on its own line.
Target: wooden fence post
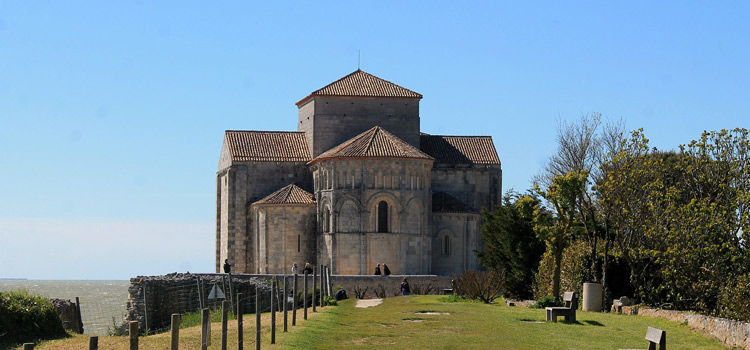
point(304, 296)
point(273, 312)
point(239, 322)
point(200, 298)
point(257, 317)
point(93, 342)
point(79, 321)
point(314, 300)
point(285, 304)
point(328, 280)
point(133, 333)
point(205, 330)
point(145, 310)
point(294, 301)
point(175, 331)
point(322, 273)
point(224, 320)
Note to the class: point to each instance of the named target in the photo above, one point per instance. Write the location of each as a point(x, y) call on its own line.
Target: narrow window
point(299, 243)
point(382, 216)
point(327, 221)
point(446, 245)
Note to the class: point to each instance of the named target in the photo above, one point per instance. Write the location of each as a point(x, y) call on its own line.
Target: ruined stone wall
point(156, 298)
point(732, 333)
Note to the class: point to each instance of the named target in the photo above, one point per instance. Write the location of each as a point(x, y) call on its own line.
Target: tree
point(562, 195)
point(510, 243)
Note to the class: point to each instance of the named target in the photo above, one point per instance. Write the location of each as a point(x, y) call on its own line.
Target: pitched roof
point(363, 84)
point(459, 149)
point(289, 194)
point(445, 203)
point(373, 143)
point(267, 146)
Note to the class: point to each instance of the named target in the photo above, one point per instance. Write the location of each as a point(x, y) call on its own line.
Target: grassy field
point(401, 323)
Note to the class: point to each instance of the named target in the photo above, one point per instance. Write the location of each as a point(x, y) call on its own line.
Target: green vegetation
point(193, 319)
point(428, 322)
point(25, 317)
point(668, 228)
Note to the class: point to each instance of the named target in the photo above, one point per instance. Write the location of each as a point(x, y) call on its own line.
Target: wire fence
point(102, 317)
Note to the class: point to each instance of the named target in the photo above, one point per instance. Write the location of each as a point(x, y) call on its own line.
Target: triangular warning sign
point(216, 293)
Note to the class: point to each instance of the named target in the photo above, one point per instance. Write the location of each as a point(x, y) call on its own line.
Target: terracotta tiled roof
point(289, 194)
point(373, 143)
point(361, 83)
point(445, 203)
point(459, 149)
point(267, 146)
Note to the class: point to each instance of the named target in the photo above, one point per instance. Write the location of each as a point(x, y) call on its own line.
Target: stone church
point(356, 185)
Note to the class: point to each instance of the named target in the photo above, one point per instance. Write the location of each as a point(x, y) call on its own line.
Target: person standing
point(294, 269)
point(307, 269)
point(377, 270)
point(386, 270)
point(405, 290)
point(227, 266)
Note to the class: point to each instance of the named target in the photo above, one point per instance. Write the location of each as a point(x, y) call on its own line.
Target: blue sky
point(112, 113)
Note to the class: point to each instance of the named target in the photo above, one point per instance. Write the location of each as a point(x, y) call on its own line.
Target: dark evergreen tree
point(510, 243)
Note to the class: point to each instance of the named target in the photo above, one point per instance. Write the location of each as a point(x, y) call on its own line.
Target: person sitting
point(377, 270)
point(386, 270)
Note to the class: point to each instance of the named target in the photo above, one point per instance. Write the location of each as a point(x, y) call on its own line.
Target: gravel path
point(368, 302)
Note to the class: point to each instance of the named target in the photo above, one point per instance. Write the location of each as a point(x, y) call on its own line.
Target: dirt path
point(368, 302)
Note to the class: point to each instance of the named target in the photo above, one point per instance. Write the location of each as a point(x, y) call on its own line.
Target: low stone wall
point(153, 299)
point(388, 286)
point(732, 333)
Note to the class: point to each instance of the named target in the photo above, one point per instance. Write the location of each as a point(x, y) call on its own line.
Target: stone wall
point(732, 333)
point(69, 314)
point(154, 299)
point(390, 285)
point(330, 120)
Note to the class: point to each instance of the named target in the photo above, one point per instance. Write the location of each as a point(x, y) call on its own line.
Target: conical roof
point(362, 84)
point(290, 194)
point(373, 143)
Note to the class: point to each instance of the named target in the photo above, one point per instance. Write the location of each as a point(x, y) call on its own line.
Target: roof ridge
point(266, 131)
point(372, 138)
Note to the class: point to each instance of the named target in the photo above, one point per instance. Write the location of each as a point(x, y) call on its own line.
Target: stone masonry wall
point(331, 120)
point(178, 292)
point(156, 298)
point(732, 333)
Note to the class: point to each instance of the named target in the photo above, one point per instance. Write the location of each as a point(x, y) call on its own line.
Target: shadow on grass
point(594, 323)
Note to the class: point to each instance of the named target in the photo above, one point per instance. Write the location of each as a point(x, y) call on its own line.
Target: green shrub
point(26, 317)
point(330, 301)
point(480, 285)
point(734, 300)
point(547, 301)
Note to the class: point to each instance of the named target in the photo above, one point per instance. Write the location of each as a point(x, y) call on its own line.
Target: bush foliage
point(26, 317)
point(480, 285)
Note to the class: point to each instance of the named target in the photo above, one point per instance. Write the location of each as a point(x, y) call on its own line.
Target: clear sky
point(112, 114)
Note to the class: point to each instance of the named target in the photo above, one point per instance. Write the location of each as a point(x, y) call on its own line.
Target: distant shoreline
point(12, 279)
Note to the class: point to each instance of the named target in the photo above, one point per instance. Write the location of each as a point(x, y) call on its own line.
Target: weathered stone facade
point(380, 191)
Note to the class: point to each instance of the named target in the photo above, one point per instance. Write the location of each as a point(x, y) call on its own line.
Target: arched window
point(447, 245)
point(326, 220)
point(382, 216)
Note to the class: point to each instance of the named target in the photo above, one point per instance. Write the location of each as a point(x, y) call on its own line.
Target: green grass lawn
point(397, 323)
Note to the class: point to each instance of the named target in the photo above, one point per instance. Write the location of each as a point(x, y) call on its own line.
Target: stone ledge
point(732, 333)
